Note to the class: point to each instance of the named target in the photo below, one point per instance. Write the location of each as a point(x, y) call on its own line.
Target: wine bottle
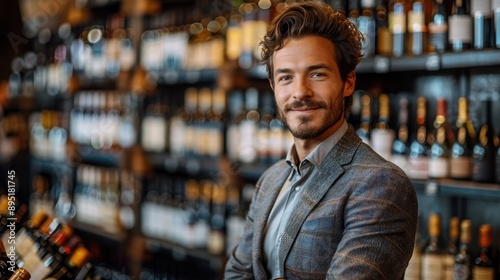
point(462, 269)
point(433, 257)
point(461, 150)
point(234, 37)
point(154, 131)
point(417, 30)
point(367, 27)
point(397, 27)
point(451, 249)
point(248, 127)
point(481, 13)
point(418, 160)
point(216, 242)
point(364, 130)
point(237, 114)
point(486, 259)
point(439, 154)
point(483, 157)
point(20, 274)
point(248, 26)
point(496, 21)
point(438, 28)
point(382, 135)
point(7, 266)
point(400, 147)
point(460, 26)
point(384, 39)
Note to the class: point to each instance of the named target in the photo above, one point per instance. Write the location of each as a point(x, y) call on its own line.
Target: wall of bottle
point(124, 100)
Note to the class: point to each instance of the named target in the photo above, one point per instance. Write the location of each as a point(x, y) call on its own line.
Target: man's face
point(308, 88)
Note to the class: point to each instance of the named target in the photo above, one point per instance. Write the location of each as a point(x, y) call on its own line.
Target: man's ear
point(350, 83)
point(271, 84)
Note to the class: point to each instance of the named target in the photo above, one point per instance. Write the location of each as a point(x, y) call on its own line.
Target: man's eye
point(316, 74)
point(284, 78)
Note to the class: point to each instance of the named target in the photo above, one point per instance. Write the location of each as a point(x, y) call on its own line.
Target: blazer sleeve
point(380, 223)
point(239, 265)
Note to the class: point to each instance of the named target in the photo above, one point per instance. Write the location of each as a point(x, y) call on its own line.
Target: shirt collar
point(319, 153)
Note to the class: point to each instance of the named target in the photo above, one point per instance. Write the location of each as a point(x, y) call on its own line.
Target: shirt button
point(297, 188)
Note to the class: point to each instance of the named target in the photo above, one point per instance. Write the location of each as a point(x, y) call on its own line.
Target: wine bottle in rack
point(483, 155)
point(418, 159)
point(382, 135)
point(6, 267)
point(495, 5)
point(20, 274)
point(397, 27)
point(401, 146)
point(462, 269)
point(383, 38)
point(485, 261)
point(451, 248)
point(433, 257)
point(460, 26)
point(439, 154)
point(481, 13)
point(438, 28)
point(365, 127)
point(461, 150)
point(417, 30)
point(367, 26)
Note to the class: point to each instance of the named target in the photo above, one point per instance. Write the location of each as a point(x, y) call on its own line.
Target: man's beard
point(327, 120)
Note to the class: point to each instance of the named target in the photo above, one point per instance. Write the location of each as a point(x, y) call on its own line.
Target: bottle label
point(483, 273)
point(482, 171)
point(432, 267)
point(449, 261)
point(461, 272)
point(381, 140)
point(418, 168)
point(460, 168)
point(397, 23)
point(439, 168)
point(460, 29)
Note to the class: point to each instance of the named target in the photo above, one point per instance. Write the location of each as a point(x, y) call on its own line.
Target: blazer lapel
point(269, 196)
point(329, 171)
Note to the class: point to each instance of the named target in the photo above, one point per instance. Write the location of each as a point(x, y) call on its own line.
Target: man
point(334, 208)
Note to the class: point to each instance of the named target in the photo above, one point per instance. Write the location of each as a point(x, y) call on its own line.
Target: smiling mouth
point(304, 109)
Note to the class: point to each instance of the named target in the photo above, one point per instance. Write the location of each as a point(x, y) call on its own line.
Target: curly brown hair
point(314, 18)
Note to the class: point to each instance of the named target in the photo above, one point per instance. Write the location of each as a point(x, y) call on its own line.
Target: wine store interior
point(133, 132)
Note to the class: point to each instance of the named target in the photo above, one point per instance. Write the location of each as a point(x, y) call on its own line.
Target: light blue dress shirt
point(290, 195)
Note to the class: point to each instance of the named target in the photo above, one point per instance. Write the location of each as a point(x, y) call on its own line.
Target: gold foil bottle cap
point(20, 274)
point(454, 227)
point(38, 218)
point(485, 236)
point(434, 225)
point(79, 257)
point(465, 231)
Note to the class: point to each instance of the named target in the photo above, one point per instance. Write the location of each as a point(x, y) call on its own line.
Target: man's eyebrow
point(308, 69)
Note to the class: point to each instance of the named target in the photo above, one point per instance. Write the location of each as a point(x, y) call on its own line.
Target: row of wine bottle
point(42, 246)
point(445, 151)
point(458, 259)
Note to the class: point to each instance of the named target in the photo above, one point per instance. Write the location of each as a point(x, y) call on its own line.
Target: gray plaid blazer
point(356, 221)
